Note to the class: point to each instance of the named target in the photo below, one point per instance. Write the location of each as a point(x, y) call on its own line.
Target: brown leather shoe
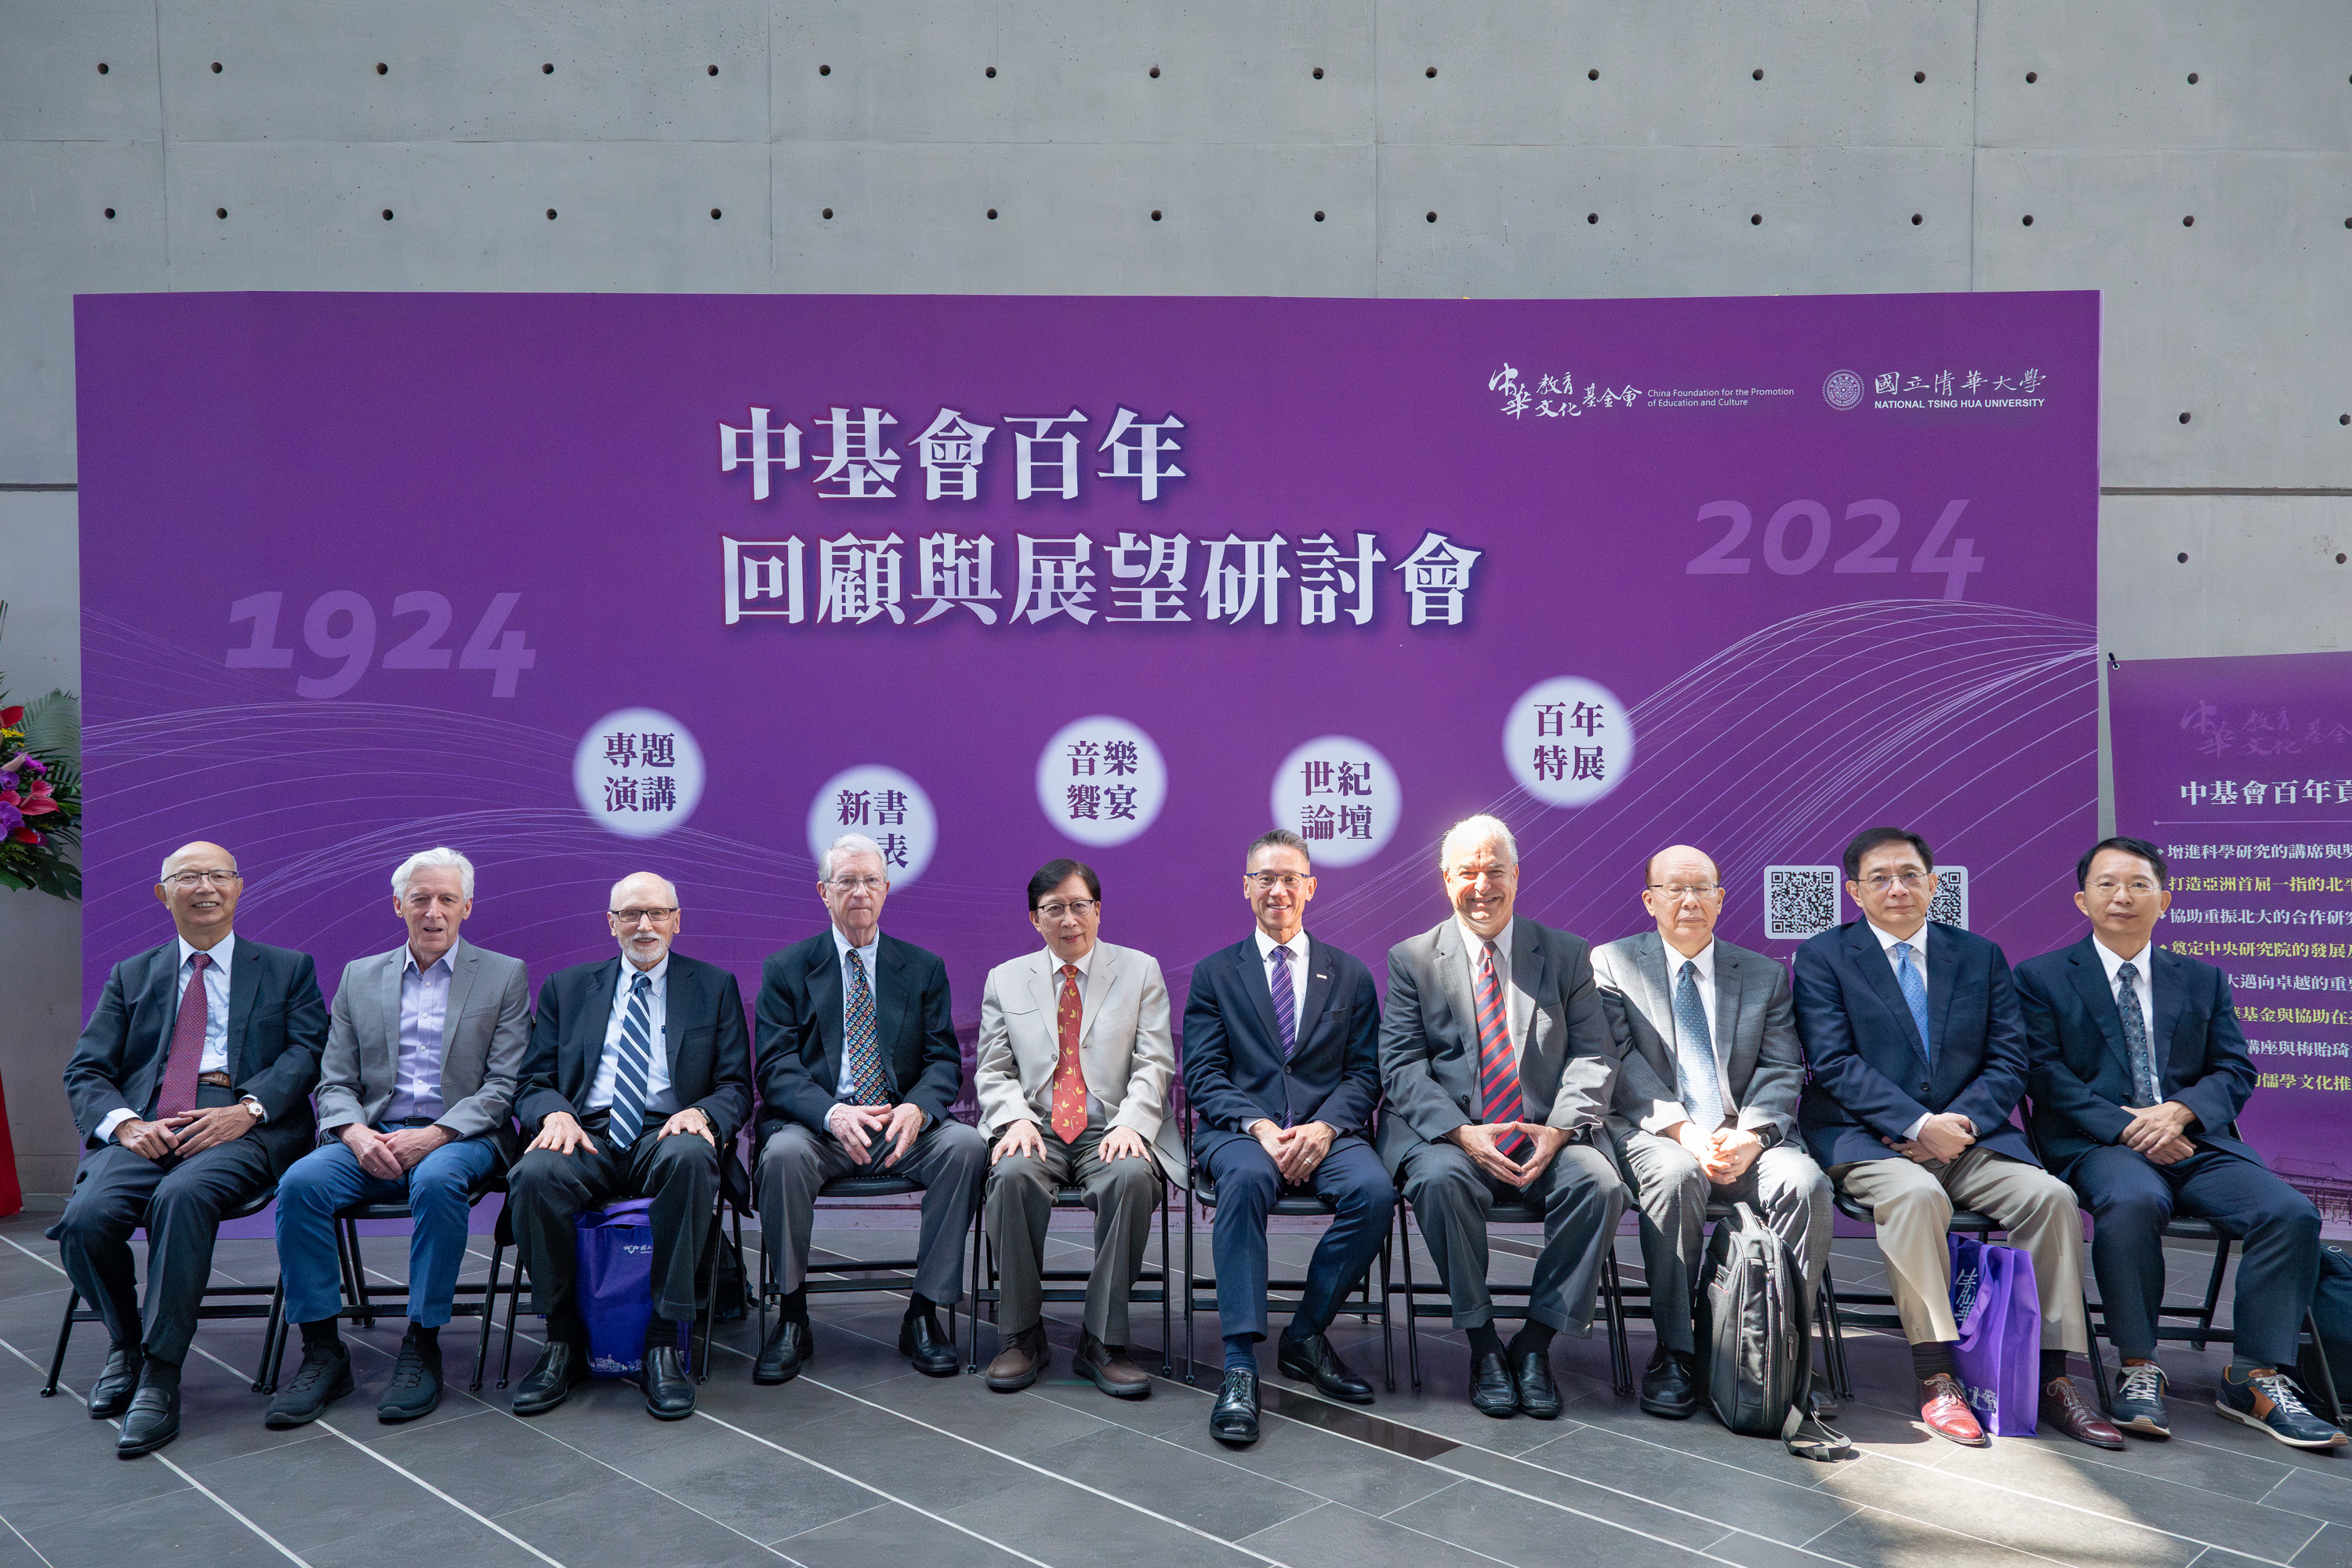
point(1016, 1366)
point(1946, 1411)
point(1109, 1368)
point(2063, 1406)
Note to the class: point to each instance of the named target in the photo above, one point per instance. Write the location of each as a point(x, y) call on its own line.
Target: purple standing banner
point(2241, 771)
point(587, 585)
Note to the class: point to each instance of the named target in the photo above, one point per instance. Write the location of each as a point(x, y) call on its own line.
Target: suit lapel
point(592, 1020)
point(1318, 991)
point(1101, 975)
point(890, 998)
point(2090, 978)
point(1261, 993)
point(1650, 964)
point(824, 983)
point(1730, 1007)
point(385, 1035)
point(1454, 978)
point(1943, 969)
point(2168, 994)
point(465, 958)
point(1526, 983)
point(244, 985)
point(1878, 973)
point(682, 998)
point(1047, 991)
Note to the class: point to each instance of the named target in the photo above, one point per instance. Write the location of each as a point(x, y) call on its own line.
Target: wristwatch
point(255, 1106)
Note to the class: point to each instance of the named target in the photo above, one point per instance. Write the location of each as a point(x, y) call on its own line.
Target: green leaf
point(53, 726)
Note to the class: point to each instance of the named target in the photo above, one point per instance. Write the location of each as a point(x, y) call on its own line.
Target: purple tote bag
point(1998, 1357)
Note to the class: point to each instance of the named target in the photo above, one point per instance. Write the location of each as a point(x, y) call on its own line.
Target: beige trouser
point(1912, 1205)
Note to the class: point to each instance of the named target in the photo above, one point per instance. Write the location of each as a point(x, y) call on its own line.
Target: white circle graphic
point(1842, 389)
point(637, 773)
point(1568, 741)
point(1341, 797)
point(884, 804)
point(1100, 780)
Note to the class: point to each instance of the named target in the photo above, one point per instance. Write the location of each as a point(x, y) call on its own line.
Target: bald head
point(1682, 855)
point(199, 855)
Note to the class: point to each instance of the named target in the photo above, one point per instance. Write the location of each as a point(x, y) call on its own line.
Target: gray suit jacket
point(1429, 1036)
point(484, 1035)
point(1125, 1048)
point(1757, 1052)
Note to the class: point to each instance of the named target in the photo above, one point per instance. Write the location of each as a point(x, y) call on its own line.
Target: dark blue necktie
point(635, 1066)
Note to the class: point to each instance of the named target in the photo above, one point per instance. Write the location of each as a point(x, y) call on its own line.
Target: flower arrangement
point(40, 797)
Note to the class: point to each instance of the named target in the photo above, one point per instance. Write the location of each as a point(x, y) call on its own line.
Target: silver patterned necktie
point(2146, 1091)
point(1702, 1088)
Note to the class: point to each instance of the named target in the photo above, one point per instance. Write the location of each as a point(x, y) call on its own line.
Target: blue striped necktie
point(1914, 994)
point(627, 1116)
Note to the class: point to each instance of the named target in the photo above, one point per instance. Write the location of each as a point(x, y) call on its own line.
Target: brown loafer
point(1946, 1411)
point(2063, 1406)
point(1107, 1368)
point(1016, 1366)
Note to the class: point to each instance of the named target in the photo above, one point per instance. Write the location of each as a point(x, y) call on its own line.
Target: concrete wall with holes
point(2192, 162)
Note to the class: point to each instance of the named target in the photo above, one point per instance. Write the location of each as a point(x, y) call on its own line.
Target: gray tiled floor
point(862, 1464)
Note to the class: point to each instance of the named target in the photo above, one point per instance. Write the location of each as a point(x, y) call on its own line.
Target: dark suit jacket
point(1872, 1078)
point(1234, 1070)
point(800, 1030)
point(276, 1028)
point(1756, 1048)
point(709, 1050)
point(1429, 1036)
point(2081, 1074)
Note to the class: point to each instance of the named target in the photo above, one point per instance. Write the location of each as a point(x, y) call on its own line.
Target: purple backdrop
point(2241, 769)
point(364, 573)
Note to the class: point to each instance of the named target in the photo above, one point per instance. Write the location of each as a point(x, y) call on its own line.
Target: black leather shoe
point(324, 1377)
point(934, 1353)
point(560, 1369)
point(1493, 1391)
point(1539, 1395)
point(416, 1386)
point(1235, 1419)
point(110, 1396)
point(1313, 1360)
point(670, 1393)
point(1668, 1387)
point(789, 1348)
point(152, 1420)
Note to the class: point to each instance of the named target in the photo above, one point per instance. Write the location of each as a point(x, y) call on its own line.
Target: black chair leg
point(1411, 1301)
point(1167, 1297)
point(1192, 1370)
point(514, 1304)
point(359, 1279)
point(1621, 1352)
point(1387, 1341)
point(64, 1337)
point(489, 1310)
point(2212, 1291)
point(273, 1343)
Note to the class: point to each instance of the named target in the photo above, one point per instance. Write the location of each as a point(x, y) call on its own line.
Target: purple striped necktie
point(1499, 1073)
point(1285, 1016)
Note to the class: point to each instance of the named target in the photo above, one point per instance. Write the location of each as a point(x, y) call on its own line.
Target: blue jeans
point(329, 1178)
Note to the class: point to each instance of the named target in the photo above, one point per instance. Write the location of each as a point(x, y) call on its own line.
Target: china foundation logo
point(1842, 389)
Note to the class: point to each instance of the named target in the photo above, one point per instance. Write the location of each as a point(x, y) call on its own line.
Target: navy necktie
point(626, 1116)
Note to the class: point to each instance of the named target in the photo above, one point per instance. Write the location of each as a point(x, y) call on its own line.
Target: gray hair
point(1280, 839)
point(436, 858)
point(850, 844)
point(1478, 832)
point(165, 875)
point(613, 896)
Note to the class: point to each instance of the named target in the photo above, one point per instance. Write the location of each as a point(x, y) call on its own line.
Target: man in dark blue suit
point(1282, 1067)
point(1919, 1058)
point(2139, 1070)
point(192, 1090)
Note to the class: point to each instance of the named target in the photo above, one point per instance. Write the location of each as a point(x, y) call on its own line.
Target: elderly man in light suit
point(1500, 1065)
point(424, 1052)
point(1708, 1073)
point(1075, 1058)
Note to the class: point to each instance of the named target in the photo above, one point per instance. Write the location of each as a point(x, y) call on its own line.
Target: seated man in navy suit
point(2139, 1070)
point(1282, 1064)
point(1919, 1058)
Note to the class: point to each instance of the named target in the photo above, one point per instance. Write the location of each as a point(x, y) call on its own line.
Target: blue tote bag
point(1998, 1360)
point(615, 1285)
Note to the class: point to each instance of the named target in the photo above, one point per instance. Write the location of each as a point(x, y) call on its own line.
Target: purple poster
point(588, 584)
point(2241, 770)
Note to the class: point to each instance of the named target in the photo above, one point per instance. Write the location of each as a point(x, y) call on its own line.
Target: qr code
point(1800, 901)
point(1950, 905)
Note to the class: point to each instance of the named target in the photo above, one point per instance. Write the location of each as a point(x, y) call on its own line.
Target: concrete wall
point(1884, 146)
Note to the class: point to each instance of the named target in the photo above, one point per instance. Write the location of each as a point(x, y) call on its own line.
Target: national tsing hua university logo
point(1842, 390)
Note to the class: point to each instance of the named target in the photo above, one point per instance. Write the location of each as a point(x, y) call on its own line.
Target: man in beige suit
point(424, 1054)
point(1075, 1058)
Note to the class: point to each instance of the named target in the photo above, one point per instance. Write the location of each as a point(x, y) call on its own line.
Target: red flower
point(27, 836)
point(11, 717)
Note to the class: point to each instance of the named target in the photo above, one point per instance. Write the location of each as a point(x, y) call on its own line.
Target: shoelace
point(409, 1370)
point(2281, 1391)
point(2143, 1383)
point(313, 1369)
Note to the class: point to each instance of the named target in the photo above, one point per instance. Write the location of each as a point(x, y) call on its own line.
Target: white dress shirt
point(2143, 992)
point(659, 1101)
point(1704, 978)
point(1918, 941)
point(845, 1090)
point(1472, 944)
point(214, 1056)
point(424, 1017)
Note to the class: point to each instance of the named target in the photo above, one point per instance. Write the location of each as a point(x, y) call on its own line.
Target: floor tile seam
point(2205, 1491)
point(1810, 1487)
point(828, 1524)
point(1948, 1529)
point(1633, 1497)
point(869, 1486)
point(221, 1502)
point(1601, 1519)
point(1426, 1536)
point(29, 1545)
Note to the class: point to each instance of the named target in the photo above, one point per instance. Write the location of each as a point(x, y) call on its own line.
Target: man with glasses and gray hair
point(638, 1079)
point(1499, 1066)
point(1920, 1057)
point(191, 1087)
point(423, 1051)
point(859, 1067)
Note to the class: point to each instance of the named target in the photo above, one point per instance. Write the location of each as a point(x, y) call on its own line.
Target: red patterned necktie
point(1498, 1074)
point(177, 1096)
point(1069, 1082)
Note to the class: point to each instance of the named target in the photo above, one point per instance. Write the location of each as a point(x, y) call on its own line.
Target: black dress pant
point(680, 1174)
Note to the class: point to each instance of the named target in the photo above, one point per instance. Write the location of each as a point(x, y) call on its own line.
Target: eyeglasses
point(1268, 881)
point(2138, 885)
point(1498, 877)
point(203, 878)
point(1883, 881)
point(638, 917)
point(1676, 893)
point(1081, 908)
point(860, 884)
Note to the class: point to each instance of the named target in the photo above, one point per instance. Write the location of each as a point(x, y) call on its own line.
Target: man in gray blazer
point(1498, 1065)
point(424, 1052)
point(1709, 1067)
point(1075, 1058)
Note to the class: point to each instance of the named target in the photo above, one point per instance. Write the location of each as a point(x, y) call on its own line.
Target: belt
point(412, 1122)
point(215, 1081)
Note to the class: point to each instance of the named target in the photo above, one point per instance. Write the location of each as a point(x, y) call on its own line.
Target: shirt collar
point(1705, 959)
point(1472, 941)
point(1887, 938)
point(1267, 944)
point(408, 965)
point(1086, 966)
point(2113, 960)
point(842, 950)
point(221, 950)
point(656, 974)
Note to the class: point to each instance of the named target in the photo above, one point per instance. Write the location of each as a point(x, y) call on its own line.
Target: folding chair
point(851, 1276)
point(273, 1314)
point(1150, 1286)
point(1879, 1305)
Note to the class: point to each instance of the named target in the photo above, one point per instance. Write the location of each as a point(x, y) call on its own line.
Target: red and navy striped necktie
point(1498, 1071)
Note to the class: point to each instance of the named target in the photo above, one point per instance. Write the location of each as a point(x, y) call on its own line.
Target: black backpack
point(1754, 1349)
